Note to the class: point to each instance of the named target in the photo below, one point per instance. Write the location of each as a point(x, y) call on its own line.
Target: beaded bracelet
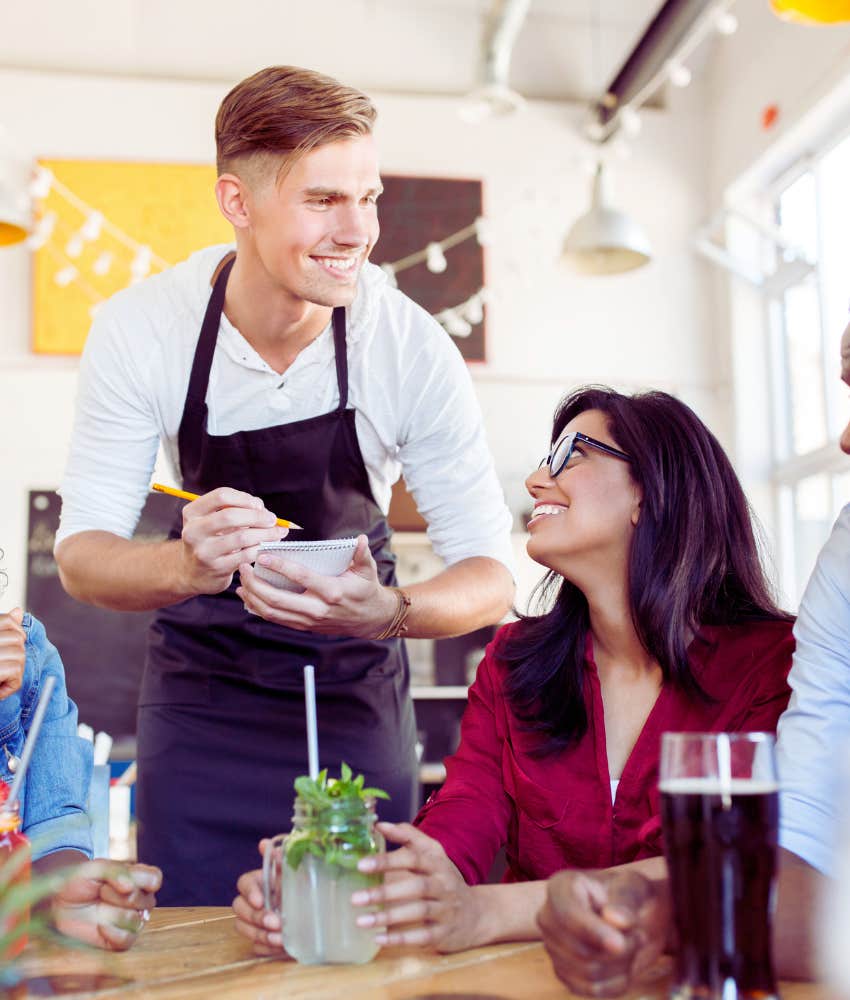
point(397, 625)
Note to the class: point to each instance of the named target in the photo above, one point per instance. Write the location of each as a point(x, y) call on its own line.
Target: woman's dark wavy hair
point(693, 561)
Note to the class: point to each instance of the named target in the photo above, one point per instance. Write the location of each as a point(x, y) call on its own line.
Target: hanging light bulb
point(679, 74)
point(94, 310)
point(474, 311)
point(43, 231)
point(725, 22)
point(630, 120)
point(455, 325)
point(483, 231)
point(141, 265)
point(90, 229)
point(435, 259)
point(389, 271)
point(74, 246)
point(41, 182)
point(65, 276)
point(103, 263)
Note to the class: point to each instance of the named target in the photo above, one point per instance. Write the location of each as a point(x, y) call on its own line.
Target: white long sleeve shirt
point(416, 411)
point(814, 732)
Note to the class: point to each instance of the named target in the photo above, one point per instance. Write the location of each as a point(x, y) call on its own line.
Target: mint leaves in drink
point(334, 820)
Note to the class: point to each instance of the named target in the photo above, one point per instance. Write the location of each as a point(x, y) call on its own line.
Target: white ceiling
point(567, 49)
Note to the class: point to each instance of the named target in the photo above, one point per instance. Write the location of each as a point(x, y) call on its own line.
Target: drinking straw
point(724, 768)
point(32, 736)
point(313, 766)
point(312, 728)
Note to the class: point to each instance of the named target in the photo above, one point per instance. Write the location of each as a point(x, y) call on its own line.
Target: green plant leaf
point(374, 793)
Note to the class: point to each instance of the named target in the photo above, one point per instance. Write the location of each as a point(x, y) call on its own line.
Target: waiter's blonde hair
point(282, 112)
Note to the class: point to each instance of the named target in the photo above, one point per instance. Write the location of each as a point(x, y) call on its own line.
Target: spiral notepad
point(328, 556)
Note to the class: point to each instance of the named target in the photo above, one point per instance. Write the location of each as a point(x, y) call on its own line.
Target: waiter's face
point(314, 229)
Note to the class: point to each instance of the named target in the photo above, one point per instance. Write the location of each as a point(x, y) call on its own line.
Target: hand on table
point(12, 652)
point(222, 529)
point(354, 603)
point(106, 903)
point(253, 920)
point(603, 930)
point(424, 898)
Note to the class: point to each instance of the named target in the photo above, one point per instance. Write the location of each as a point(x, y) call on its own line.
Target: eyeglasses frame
point(585, 439)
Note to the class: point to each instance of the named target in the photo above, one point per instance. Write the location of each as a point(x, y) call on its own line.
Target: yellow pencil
point(194, 496)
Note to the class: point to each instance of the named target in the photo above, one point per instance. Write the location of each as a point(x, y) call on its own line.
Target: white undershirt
point(614, 784)
point(415, 409)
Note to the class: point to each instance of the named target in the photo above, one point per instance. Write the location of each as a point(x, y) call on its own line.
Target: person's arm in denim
point(103, 903)
point(57, 782)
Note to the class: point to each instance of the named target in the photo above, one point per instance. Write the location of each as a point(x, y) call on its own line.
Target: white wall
point(547, 330)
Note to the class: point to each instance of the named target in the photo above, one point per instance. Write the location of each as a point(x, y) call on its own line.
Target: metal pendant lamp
point(812, 11)
point(14, 221)
point(605, 240)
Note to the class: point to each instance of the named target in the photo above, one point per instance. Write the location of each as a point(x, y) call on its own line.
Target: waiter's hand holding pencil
point(184, 495)
point(221, 530)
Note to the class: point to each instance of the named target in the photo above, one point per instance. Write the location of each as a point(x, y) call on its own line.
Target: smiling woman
point(656, 616)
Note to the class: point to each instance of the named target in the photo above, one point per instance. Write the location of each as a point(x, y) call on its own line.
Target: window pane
point(812, 522)
point(840, 492)
point(805, 367)
point(835, 268)
point(798, 217)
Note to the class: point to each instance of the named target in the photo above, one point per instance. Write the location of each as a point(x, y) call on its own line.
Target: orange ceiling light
point(812, 11)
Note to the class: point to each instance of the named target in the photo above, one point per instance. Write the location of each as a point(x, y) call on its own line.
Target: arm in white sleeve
point(447, 463)
point(115, 434)
point(814, 731)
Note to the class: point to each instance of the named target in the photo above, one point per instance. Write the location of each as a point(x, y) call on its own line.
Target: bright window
point(807, 315)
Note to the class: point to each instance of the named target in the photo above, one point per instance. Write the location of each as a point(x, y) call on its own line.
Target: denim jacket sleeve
point(56, 788)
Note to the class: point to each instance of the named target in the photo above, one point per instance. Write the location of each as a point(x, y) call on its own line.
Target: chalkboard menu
point(103, 651)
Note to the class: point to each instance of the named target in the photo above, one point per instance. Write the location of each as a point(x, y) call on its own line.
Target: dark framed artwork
point(417, 211)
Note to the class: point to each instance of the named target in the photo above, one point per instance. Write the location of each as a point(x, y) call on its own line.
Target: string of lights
point(48, 231)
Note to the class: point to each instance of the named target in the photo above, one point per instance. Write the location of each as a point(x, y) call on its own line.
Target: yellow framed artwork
point(168, 209)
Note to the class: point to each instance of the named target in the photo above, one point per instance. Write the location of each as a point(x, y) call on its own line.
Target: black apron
point(221, 729)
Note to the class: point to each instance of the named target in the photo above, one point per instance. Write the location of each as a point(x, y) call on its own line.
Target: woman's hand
point(262, 927)
point(424, 897)
point(12, 652)
point(106, 903)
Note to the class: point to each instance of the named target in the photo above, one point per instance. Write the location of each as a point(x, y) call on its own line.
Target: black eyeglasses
point(563, 450)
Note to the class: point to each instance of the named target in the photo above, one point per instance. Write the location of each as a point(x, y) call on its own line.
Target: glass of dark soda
point(720, 812)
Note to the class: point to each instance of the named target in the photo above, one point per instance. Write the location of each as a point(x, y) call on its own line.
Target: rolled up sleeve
point(57, 783)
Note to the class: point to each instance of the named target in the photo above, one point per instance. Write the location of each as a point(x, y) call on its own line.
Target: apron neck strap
point(341, 356)
point(202, 363)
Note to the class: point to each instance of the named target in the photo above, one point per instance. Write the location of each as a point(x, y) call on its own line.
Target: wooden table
point(195, 954)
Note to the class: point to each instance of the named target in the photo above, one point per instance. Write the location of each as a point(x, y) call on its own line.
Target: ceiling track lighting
point(660, 56)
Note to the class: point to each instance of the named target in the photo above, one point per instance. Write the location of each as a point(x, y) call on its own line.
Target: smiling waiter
point(285, 379)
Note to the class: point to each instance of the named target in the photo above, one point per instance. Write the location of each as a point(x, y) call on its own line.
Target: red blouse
point(556, 812)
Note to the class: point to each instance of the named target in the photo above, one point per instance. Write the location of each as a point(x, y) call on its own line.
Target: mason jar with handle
point(310, 874)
